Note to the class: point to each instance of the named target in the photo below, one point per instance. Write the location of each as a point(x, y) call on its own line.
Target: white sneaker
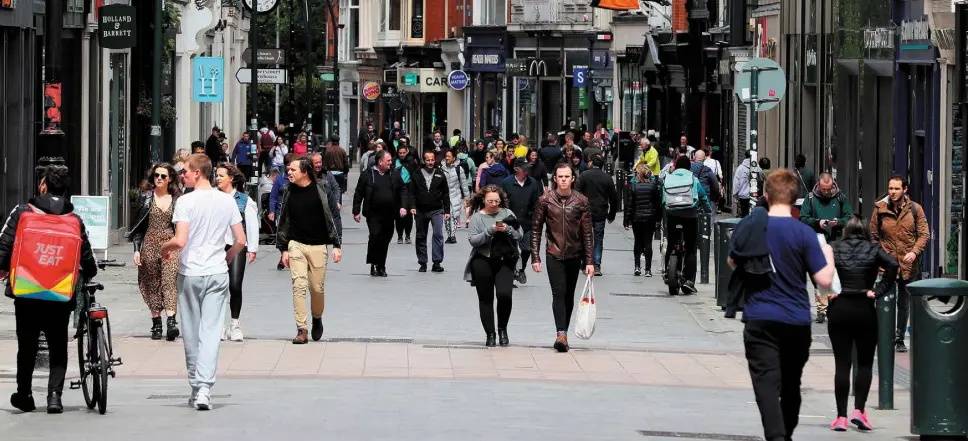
point(203, 401)
point(193, 397)
point(225, 332)
point(236, 332)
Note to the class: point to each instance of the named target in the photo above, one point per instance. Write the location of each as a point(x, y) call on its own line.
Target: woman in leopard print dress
point(156, 276)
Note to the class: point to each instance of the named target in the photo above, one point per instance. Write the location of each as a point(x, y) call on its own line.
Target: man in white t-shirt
point(201, 220)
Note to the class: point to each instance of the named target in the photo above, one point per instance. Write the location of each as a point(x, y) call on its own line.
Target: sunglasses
point(159, 175)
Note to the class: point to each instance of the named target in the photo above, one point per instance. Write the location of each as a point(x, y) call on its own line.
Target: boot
point(156, 328)
point(503, 337)
point(173, 331)
point(491, 341)
point(54, 404)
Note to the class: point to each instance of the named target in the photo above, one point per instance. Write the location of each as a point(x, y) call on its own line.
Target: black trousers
point(524, 246)
point(687, 235)
point(246, 170)
point(643, 232)
point(32, 318)
point(776, 353)
point(264, 160)
point(236, 275)
point(563, 275)
point(852, 320)
point(744, 206)
point(404, 224)
point(903, 308)
point(381, 233)
point(493, 277)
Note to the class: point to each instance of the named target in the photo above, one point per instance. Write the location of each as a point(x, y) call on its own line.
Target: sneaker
point(225, 332)
point(561, 342)
point(437, 268)
point(638, 271)
point(821, 318)
point(522, 277)
point(193, 397)
point(859, 418)
point(451, 240)
point(899, 347)
point(423, 268)
point(598, 271)
point(236, 332)
point(399, 241)
point(408, 240)
point(203, 401)
point(839, 424)
point(689, 287)
point(23, 402)
point(648, 273)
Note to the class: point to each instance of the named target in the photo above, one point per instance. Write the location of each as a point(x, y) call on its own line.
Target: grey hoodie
point(741, 180)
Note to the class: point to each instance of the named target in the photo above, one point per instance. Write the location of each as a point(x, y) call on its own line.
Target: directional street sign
point(266, 56)
point(266, 76)
point(771, 82)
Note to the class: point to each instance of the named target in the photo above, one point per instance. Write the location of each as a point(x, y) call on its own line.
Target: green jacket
point(817, 207)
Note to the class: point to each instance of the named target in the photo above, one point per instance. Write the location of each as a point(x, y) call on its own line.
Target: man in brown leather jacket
point(570, 243)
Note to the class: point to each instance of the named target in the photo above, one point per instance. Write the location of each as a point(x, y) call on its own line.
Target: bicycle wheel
point(104, 363)
point(672, 274)
point(83, 346)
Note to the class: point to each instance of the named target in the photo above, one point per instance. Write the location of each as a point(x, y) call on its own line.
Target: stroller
point(267, 228)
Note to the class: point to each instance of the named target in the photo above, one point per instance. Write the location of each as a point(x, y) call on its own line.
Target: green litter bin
point(724, 231)
point(939, 358)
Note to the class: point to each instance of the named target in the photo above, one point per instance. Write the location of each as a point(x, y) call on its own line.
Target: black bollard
point(886, 317)
point(704, 231)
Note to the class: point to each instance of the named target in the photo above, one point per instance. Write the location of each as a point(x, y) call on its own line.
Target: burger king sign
point(370, 91)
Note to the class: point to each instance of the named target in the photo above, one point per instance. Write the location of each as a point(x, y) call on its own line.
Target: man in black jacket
point(523, 193)
point(429, 203)
point(34, 316)
point(598, 187)
point(378, 197)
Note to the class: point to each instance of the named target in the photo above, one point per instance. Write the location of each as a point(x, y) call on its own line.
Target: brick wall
point(434, 12)
point(680, 19)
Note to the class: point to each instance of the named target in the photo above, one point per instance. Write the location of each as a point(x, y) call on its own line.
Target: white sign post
point(95, 212)
point(266, 76)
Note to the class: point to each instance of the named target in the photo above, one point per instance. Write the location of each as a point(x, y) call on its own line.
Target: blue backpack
point(679, 192)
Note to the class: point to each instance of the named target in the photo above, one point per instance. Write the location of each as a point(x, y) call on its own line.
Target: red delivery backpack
point(46, 256)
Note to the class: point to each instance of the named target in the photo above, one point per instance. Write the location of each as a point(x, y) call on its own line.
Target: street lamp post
point(156, 84)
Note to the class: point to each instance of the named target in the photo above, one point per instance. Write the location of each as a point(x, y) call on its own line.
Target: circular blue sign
point(458, 80)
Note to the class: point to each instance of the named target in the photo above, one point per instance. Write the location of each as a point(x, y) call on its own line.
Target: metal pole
point(254, 64)
point(961, 96)
point(51, 142)
point(336, 28)
point(754, 125)
point(156, 85)
point(276, 120)
point(309, 77)
point(292, 99)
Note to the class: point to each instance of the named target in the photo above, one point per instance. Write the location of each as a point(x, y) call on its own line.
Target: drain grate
point(697, 435)
point(482, 348)
point(183, 397)
point(369, 340)
point(632, 294)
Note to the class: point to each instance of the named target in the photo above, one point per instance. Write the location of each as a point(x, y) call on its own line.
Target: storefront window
point(117, 139)
point(390, 16)
point(953, 186)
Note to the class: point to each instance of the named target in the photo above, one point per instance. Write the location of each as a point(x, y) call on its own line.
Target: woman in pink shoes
point(852, 318)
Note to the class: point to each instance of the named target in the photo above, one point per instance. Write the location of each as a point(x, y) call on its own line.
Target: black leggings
point(404, 224)
point(493, 276)
point(236, 274)
point(852, 320)
point(643, 232)
point(563, 275)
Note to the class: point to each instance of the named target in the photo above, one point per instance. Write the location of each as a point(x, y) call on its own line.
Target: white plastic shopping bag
point(585, 322)
point(835, 285)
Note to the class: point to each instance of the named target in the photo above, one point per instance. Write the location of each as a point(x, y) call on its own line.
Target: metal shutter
point(742, 131)
point(551, 99)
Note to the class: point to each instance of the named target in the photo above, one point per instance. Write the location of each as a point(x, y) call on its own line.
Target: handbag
point(585, 322)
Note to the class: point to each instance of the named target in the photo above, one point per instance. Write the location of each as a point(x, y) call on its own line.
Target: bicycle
point(674, 267)
point(94, 349)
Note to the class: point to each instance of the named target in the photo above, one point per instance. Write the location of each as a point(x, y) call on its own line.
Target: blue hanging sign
point(208, 79)
point(579, 76)
point(458, 80)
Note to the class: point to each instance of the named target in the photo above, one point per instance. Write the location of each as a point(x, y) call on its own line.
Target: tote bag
point(585, 321)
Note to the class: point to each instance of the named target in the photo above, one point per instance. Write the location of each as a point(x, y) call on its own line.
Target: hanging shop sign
point(370, 91)
point(208, 79)
point(517, 67)
point(117, 26)
point(600, 59)
point(458, 80)
point(486, 60)
point(422, 80)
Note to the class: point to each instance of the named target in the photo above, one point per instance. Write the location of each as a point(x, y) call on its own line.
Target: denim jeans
point(599, 228)
point(436, 218)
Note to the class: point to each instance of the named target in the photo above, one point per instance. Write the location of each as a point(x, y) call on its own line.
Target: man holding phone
point(826, 210)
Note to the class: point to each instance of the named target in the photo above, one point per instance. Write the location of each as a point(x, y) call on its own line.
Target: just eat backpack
point(46, 255)
point(679, 191)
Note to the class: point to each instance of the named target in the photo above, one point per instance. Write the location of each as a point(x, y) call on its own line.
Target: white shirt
point(251, 226)
point(209, 214)
point(714, 166)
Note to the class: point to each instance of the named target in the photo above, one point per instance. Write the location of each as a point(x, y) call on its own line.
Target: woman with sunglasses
point(494, 233)
point(156, 276)
point(231, 181)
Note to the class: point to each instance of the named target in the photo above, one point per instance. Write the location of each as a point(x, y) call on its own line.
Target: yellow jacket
point(521, 151)
point(650, 158)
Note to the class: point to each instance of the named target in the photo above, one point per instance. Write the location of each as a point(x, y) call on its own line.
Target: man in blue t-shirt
point(777, 313)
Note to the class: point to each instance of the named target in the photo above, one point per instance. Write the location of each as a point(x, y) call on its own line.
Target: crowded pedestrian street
point(402, 357)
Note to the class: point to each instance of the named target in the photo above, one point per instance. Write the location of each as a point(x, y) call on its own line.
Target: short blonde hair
point(200, 162)
point(643, 171)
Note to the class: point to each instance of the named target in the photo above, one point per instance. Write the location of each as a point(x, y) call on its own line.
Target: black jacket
point(858, 261)
point(748, 249)
point(432, 196)
point(644, 202)
point(364, 192)
point(549, 156)
point(51, 205)
point(598, 187)
point(282, 235)
point(145, 202)
point(522, 200)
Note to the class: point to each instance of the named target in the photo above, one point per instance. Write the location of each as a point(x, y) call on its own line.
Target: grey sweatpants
point(201, 306)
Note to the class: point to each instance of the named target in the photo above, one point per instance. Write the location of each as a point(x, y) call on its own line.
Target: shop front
point(426, 111)
point(19, 83)
point(484, 61)
point(917, 128)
